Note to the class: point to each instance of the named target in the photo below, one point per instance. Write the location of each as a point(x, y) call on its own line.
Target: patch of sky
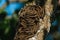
point(2, 2)
point(55, 23)
point(10, 9)
point(49, 37)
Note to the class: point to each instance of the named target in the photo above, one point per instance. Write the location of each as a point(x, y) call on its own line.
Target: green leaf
point(7, 30)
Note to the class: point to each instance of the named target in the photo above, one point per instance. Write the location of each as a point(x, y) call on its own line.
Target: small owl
point(28, 24)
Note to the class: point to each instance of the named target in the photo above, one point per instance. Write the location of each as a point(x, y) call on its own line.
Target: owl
point(28, 23)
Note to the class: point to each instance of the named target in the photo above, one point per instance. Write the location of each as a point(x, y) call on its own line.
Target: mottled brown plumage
point(28, 22)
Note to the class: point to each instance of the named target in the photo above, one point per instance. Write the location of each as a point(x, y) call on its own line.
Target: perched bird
point(34, 21)
point(28, 24)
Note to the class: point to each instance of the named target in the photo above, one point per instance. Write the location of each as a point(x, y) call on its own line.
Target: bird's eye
point(41, 17)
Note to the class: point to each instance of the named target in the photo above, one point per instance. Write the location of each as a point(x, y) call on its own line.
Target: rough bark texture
point(48, 11)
